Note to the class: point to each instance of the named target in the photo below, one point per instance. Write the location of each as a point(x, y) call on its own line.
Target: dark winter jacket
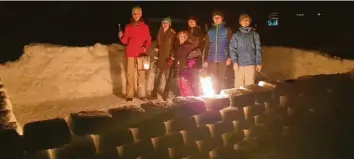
point(245, 47)
point(164, 42)
point(196, 37)
point(182, 54)
point(217, 42)
point(136, 36)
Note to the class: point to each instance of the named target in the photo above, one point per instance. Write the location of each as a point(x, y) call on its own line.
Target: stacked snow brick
point(238, 126)
point(10, 130)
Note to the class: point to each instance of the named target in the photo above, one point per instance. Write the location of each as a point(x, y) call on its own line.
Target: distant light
point(300, 14)
point(319, 14)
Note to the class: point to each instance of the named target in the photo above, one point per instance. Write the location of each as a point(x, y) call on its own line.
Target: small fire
point(207, 87)
point(146, 66)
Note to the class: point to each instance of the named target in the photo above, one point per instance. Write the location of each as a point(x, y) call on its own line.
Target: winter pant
point(132, 69)
point(184, 87)
point(195, 82)
point(216, 71)
point(161, 77)
point(244, 75)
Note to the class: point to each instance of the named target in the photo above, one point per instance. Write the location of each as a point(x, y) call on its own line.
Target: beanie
point(193, 18)
point(219, 13)
point(243, 16)
point(168, 20)
point(137, 9)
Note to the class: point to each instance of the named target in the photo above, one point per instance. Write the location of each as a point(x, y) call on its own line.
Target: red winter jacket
point(136, 36)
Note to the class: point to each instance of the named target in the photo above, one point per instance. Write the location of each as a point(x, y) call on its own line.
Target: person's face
point(165, 25)
point(192, 23)
point(245, 22)
point(182, 38)
point(217, 19)
point(136, 16)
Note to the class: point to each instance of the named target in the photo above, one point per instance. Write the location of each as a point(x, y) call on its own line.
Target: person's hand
point(172, 58)
point(120, 34)
point(156, 49)
point(259, 68)
point(155, 57)
point(228, 61)
point(205, 64)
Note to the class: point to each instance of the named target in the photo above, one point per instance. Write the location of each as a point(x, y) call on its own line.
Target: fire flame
point(207, 87)
point(146, 66)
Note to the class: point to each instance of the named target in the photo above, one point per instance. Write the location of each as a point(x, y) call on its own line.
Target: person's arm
point(157, 43)
point(158, 39)
point(125, 37)
point(173, 41)
point(229, 36)
point(147, 38)
point(233, 47)
point(258, 48)
point(206, 47)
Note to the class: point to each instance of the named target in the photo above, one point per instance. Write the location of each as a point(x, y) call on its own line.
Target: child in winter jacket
point(245, 52)
point(216, 58)
point(138, 40)
point(165, 41)
point(196, 37)
point(184, 57)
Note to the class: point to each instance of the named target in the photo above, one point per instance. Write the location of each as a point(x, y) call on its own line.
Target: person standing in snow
point(245, 52)
point(217, 58)
point(184, 56)
point(196, 37)
point(137, 38)
point(165, 41)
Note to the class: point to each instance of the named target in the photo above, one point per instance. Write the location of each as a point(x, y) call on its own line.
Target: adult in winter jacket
point(137, 38)
point(165, 41)
point(217, 56)
point(196, 37)
point(185, 56)
point(245, 51)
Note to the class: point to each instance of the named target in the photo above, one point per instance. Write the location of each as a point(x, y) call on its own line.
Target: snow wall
point(50, 72)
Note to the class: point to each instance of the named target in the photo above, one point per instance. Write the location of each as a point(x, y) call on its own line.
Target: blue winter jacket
point(245, 47)
point(218, 40)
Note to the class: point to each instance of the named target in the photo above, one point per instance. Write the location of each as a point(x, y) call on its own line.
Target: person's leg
point(186, 88)
point(180, 86)
point(250, 73)
point(195, 82)
point(212, 73)
point(221, 74)
point(156, 83)
point(130, 77)
point(141, 84)
point(168, 75)
point(239, 76)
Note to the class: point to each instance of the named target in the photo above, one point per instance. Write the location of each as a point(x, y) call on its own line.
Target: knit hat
point(219, 13)
point(243, 16)
point(137, 9)
point(168, 20)
point(193, 18)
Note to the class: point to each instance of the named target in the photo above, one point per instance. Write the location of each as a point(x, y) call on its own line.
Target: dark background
point(86, 23)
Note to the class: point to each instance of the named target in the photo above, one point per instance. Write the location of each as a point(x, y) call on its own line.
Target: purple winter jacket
point(184, 56)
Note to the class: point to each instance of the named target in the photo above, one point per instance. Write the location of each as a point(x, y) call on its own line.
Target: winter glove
point(170, 62)
point(143, 49)
point(191, 63)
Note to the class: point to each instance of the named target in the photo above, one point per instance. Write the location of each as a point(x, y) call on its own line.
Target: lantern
point(143, 62)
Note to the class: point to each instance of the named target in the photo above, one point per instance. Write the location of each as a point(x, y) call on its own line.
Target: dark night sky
point(85, 23)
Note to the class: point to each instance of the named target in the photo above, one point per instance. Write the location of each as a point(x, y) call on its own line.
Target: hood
point(246, 29)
